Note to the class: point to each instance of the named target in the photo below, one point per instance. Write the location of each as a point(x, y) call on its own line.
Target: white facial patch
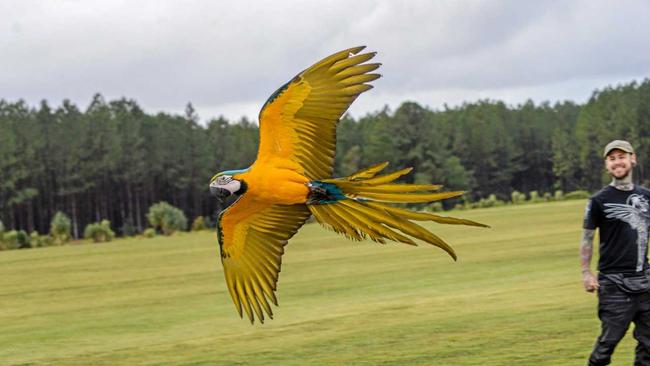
point(232, 186)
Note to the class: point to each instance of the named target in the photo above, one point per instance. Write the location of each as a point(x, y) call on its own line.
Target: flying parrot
point(291, 179)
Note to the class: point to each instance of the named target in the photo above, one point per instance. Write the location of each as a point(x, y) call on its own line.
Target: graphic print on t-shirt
point(636, 213)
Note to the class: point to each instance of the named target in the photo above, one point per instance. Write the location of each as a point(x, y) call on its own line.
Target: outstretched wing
point(622, 212)
point(299, 119)
point(252, 236)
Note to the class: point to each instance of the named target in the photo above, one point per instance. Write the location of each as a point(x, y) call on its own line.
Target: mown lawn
point(513, 298)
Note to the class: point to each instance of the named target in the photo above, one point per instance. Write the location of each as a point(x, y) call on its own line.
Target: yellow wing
point(299, 119)
point(252, 236)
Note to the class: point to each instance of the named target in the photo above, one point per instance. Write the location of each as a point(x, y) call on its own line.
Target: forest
point(112, 160)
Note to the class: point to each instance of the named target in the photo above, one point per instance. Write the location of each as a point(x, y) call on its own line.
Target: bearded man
point(621, 213)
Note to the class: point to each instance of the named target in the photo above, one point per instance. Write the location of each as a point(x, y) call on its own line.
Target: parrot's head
point(224, 185)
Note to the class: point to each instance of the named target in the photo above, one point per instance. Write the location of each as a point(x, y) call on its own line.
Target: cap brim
point(617, 148)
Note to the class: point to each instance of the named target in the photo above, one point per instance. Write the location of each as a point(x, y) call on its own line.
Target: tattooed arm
point(586, 252)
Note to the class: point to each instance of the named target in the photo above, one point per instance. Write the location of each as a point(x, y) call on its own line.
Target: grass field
point(513, 298)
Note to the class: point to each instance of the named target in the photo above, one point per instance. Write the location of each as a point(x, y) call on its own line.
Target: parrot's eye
point(224, 179)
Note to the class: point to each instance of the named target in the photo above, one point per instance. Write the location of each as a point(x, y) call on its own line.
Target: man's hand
point(590, 282)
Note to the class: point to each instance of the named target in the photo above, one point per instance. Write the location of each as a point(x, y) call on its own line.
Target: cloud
point(227, 57)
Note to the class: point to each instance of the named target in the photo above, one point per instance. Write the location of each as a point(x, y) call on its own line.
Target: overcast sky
point(227, 57)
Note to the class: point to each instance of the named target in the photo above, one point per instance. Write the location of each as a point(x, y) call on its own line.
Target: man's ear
point(633, 159)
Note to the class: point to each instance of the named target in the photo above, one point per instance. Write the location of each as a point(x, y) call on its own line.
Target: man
point(621, 213)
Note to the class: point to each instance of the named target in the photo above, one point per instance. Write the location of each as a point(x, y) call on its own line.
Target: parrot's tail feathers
point(366, 185)
point(425, 216)
point(368, 172)
point(358, 220)
point(356, 206)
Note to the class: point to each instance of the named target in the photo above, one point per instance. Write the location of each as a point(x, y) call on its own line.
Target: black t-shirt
point(622, 218)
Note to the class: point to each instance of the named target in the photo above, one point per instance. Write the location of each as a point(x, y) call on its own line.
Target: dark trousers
point(616, 310)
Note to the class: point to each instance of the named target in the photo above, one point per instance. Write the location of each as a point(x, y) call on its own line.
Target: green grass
point(513, 298)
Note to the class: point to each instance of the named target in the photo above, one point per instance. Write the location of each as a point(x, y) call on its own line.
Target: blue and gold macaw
point(291, 179)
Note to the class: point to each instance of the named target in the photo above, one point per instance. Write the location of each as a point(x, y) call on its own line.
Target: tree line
point(112, 160)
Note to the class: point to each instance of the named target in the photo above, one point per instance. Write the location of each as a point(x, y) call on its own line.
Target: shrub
point(60, 228)
point(435, 207)
point(576, 195)
point(534, 196)
point(490, 201)
point(23, 239)
point(149, 233)
point(12, 240)
point(559, 195)
point(38, 241)
point(167, 218)
point(99, 232)
point(6, 240)
point(34, 239)
point(485, 203)
point(45, 241)
point(494, 201)
point(466, 202)
point(517, 197)
point(2, 231)
point(199, 224)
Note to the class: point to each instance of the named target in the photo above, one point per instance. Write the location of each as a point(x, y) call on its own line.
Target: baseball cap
point(620, 145)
